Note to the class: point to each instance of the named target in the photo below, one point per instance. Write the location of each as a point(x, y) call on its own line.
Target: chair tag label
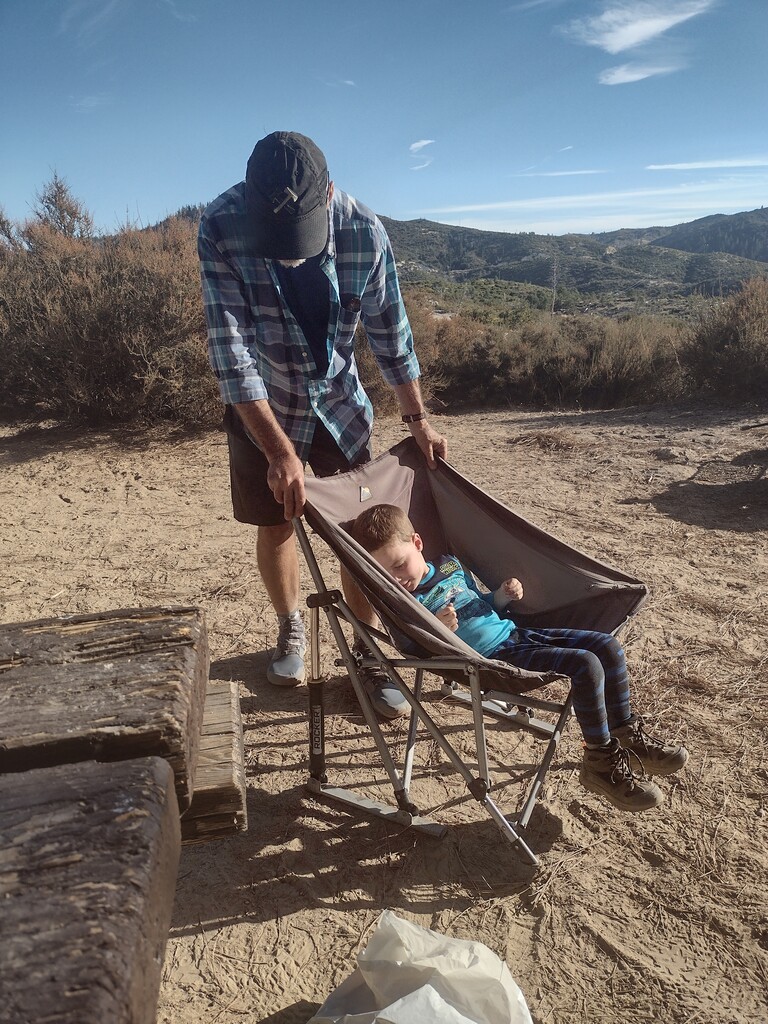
point(365, 494)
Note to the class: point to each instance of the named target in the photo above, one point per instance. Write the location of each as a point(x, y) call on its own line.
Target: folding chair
point(563, 587)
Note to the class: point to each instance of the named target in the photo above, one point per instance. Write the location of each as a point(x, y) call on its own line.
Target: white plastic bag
point(409, 974)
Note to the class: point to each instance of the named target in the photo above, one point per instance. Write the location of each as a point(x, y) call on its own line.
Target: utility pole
point(554, 283)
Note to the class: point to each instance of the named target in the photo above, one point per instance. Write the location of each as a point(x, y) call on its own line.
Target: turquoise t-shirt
point(480, 626)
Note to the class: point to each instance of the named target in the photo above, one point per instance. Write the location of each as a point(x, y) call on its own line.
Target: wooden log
point(218, 805)
point(89, 855)
point(105, 687)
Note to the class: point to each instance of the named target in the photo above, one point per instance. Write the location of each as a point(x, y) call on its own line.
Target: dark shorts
point(252, 499)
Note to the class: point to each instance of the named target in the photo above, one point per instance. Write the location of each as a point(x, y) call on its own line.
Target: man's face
point(404, 560)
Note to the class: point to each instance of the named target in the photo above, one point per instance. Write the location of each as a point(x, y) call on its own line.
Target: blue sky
point(531, 115)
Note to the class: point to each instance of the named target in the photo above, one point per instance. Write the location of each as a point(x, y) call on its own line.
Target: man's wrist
point(414, 417)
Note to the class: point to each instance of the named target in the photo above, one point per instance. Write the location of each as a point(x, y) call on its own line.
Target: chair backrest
point(563, 585)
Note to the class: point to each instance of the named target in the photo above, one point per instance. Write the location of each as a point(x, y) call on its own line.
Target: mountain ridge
point(710, 255)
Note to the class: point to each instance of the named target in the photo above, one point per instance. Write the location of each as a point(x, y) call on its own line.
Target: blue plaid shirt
point(257, 349)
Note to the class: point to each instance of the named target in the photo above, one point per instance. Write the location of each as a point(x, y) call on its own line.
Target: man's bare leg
point(278, 562)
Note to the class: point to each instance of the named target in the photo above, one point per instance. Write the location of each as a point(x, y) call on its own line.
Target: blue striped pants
point(594, 661)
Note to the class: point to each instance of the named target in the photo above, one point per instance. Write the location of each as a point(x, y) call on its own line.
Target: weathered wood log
point(105, 687)
point(89, 855)
point(218, 803)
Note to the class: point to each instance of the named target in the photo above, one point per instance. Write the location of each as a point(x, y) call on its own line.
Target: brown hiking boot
point(607, 771)
point(658, 758)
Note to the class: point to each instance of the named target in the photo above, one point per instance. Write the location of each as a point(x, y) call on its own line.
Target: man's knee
point(274, 536)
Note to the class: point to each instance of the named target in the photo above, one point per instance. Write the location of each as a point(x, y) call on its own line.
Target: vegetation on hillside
point(111, 328)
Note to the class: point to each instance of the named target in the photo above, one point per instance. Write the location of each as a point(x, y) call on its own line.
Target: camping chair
point(563, 587)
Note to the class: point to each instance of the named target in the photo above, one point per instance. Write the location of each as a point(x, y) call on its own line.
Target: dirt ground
point(661, 916)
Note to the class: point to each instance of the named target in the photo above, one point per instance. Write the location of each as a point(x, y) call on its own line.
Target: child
point(594, 661)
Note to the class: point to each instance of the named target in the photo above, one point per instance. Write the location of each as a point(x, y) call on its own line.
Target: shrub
point(728, 354)
point(105, 328)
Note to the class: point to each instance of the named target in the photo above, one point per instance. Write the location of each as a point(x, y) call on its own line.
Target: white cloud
point(415, 147)
point(703, 165)
point(179, 14)
point(734, 191)
point(87, 18)
point(86, 103)
point(635, 73)
point(420, 167)
point(554, 174)
point(625, 24)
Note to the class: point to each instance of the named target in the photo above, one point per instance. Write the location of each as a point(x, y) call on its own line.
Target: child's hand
point(448, 617)
point(512, 589)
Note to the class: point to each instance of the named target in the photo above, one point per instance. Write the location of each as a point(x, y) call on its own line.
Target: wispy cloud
point(87, 19)
point(554, 174)
point(415, 149)
point(178, 13)
point(87, 103)
point(636, 25)
point(346, 82)
point(626, 24)
point(668, 205)
point(704, 165)
point(529, 5)
point(625, 73)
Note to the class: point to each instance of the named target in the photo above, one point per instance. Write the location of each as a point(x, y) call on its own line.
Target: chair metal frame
point(514, 707)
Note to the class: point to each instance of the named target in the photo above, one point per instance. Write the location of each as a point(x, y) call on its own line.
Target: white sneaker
point(287, 665)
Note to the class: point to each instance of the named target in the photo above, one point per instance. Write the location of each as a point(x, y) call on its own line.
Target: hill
point(659, 261)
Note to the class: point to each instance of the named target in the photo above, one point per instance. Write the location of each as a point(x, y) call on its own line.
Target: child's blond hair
point(381, 524)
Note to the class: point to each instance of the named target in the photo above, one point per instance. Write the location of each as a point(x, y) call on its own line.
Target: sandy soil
point(654, 917)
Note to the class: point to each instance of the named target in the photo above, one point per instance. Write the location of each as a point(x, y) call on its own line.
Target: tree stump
point(104, 687)
point(88, 860)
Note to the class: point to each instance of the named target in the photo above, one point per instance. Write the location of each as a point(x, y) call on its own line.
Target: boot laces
point(622, 767)
point(648, 743)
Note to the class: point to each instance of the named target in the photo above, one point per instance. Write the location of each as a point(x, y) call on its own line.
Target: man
point(289, 267)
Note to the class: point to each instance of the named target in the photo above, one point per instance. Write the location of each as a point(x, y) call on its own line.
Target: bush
point(728, 354)
point(550, 361)
point(102, 329)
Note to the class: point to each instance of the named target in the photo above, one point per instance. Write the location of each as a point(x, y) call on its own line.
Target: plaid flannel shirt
point(257, 349)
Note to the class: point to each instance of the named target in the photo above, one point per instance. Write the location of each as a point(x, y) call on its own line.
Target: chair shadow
point(302, 849)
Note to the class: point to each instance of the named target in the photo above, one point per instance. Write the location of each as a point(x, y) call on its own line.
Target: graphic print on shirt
point(452, 588)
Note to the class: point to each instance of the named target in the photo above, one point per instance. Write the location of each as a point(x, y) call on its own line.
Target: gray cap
point(286, 196)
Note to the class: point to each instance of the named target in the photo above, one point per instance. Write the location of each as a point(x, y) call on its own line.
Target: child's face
point(404, 560)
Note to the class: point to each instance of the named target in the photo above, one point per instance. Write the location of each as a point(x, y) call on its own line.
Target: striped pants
point(594, 661)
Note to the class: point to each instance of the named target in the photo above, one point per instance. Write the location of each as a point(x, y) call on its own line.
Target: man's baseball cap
point(286, 192)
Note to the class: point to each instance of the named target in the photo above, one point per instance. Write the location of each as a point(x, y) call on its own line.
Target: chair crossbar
point(405, 813)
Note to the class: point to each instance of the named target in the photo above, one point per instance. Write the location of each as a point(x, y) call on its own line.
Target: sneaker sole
point(612, 797)
point(389, 712)
point(284, 681)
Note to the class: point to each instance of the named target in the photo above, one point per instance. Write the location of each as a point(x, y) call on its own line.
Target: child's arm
point(510, 590)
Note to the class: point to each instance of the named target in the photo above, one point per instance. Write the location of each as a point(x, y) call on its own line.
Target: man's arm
point(285, 475)
point(391, 340)
point(431, 443)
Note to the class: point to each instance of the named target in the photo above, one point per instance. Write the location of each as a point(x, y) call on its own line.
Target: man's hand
point(448, 617)
point(285, 477)
point(430, 442)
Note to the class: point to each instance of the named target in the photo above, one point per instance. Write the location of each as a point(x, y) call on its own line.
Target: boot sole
point(623, 805)
point(661, 771)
